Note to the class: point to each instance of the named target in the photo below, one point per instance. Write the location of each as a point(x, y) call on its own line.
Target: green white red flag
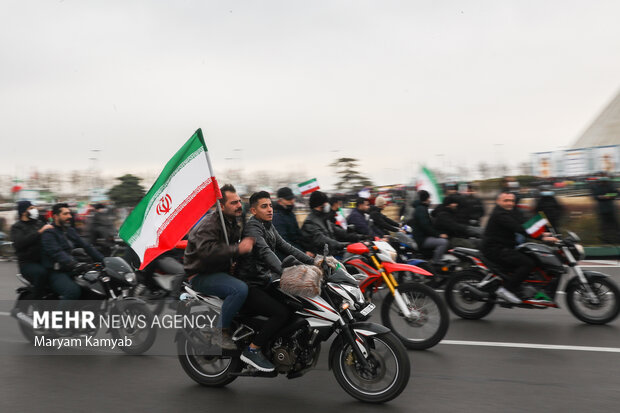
point(309, 186)
point(183, 193)
point(340, 219)
point(426, 181)
point(536, 225)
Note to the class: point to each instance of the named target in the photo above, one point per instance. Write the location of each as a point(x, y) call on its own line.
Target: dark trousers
point(519, 264)
point(63, 285)
point(259, 302)
point(37, 275)
point(609, 227)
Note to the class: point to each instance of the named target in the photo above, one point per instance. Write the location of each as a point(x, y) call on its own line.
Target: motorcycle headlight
point(581, 252)
point(130, 277)
point(355, 293)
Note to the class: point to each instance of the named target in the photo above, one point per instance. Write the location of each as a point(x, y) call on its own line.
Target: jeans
point(229, 288)
point(37, 275)
point(439, 247)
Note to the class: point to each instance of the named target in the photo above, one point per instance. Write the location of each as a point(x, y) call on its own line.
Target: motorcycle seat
point(468, 251)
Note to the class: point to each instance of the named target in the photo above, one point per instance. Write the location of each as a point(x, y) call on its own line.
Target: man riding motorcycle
point(499, 242)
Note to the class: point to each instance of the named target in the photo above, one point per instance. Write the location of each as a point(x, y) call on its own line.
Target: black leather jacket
point(259, 266)
point(317, 231)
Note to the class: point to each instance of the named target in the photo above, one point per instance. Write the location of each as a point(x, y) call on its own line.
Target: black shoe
point(255, 358)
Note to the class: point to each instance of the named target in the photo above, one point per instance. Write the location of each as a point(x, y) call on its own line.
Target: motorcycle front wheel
point(427, 327)
point(207, 370)
point(602, 311)
point(385, 377)
point(141, 338)
point(461, 301)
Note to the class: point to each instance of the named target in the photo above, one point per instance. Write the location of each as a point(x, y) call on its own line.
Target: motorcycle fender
point(361, 328)
point(394, 267)
point(589, 275)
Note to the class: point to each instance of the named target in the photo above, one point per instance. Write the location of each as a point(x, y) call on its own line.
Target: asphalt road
point(513, 360)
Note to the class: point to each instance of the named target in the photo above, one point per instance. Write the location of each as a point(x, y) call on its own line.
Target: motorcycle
point(368, 361)
point(7, 251)
point(590, 295)
point(107, 287)
point(413, 311)
point(154, 284)
point(408, 253)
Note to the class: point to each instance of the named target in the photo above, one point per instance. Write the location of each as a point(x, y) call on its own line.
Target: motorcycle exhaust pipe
point(476, 293)
point(24, 318)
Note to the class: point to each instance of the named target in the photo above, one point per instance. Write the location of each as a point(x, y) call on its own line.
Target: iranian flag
point(340, 219)
point(536, 225)
point(426, 181)
point(309, 186)
point(183, 193)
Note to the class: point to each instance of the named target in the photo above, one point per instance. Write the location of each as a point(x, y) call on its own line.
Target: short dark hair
point(57, 207)
point(256, 196)
point(423, 195)
point(224, 189)
point(335, 198)
point(360, 201)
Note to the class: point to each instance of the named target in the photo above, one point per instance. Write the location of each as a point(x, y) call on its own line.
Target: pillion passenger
point(258, 269)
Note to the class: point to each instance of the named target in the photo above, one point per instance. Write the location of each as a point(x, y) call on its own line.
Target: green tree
point(128, 193)
point(348, 176)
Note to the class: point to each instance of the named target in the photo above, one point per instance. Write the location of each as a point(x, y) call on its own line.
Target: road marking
point(531, 345)
point(5, 313)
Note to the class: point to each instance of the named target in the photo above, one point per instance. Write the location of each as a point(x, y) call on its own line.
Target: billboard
point(606, 159)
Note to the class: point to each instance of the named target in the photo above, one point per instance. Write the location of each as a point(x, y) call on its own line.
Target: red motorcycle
point(413, 311)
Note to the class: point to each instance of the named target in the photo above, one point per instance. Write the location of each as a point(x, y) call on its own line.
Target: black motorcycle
point(591, 296)
point(105, 291)
point(368, 361)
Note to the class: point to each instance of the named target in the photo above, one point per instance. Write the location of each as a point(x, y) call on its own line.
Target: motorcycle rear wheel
point(461, 302)
point(207, 370)
point(389, 369)
point(580, 306)
point(429, 328)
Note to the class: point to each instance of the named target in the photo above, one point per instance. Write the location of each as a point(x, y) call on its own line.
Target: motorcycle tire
point(461, 302)
point(582, 309)
point(425, 331)
point(387, 356)
point(142, 338)
point(207, 370)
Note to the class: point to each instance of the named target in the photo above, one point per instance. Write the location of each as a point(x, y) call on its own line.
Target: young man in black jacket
point(258, 269)
point(26, 236)
point(58, 243)
point(424, 233)
point(284, 218)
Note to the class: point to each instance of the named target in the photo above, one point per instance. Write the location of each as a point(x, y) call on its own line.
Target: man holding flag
point(499, 242)
point(181, 195)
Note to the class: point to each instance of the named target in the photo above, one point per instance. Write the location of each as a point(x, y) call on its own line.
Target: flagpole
point(217, 202)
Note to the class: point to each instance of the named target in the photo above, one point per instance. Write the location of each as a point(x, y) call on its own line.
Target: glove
point(80, 268)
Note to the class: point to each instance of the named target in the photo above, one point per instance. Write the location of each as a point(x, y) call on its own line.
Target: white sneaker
point(507, 295)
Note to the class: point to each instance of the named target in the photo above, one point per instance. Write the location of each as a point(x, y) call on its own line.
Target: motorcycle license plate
point(366, 310)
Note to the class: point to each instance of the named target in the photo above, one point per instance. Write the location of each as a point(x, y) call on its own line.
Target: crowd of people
point(237, 259)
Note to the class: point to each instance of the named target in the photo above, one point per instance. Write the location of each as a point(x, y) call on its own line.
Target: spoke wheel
point(428, 323)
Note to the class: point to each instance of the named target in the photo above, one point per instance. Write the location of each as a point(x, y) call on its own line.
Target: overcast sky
point(295, 84)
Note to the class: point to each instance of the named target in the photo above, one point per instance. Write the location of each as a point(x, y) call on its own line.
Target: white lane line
point(531, 345)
